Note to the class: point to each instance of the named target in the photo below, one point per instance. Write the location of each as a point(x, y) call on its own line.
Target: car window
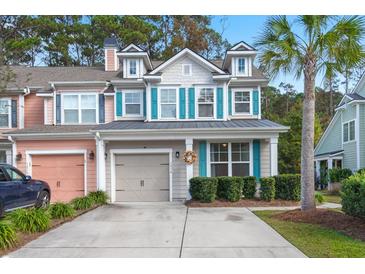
point(2, 176)
point(14, 174)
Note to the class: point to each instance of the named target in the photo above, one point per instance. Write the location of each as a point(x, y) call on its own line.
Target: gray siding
point(172, 74)
point(349, 113)
point(349, 159)
point(179, 188)
point(333, 138)
point(362, 135)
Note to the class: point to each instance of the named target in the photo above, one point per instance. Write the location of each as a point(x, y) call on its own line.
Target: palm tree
point(303, 47)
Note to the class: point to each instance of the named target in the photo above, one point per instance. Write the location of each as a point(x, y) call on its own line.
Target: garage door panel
point(151, 169)
point(63, 173)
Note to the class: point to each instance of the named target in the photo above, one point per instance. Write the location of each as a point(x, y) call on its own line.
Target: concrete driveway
point(161, 230)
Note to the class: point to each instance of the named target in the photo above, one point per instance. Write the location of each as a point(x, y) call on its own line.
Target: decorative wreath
point(189, 157)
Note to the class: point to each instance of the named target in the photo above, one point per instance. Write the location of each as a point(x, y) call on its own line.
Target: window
point(3, 176)
point(241, 66)
point(133, 103)
point(168, 103)
point(2, 156)
point(132, 67)
point(79, 108)
point(349, 131)
point(14, 174)
point(242, 101)
point(187, 71)
point(229, 159)
point(206, 103)
point(5, 118)
point(219, 159)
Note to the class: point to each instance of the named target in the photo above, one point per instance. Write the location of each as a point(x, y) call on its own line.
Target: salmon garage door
point(63, 173)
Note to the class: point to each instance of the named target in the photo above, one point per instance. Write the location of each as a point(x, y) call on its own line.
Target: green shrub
point(30, 220)
point(337, 175)
point(99, 197)
point(319, 197)
point(287, 187)
point(267, 188)
point(7, 236)
point(353, 195)
point(203, 189)
point(249, 187)
point(230, 188)
point(61, 211)
point(81, 203)
point(361, 170)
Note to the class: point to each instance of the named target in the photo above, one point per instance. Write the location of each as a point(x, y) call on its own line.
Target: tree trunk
point(331, 96)
point(307, 153)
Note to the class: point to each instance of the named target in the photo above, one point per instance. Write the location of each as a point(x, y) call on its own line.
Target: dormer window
point(132, 69)
point(241, 66)
point(186, 69)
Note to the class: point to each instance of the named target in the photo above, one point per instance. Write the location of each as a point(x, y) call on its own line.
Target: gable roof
point(132, 47)
point(194, 55)
point(242, 46)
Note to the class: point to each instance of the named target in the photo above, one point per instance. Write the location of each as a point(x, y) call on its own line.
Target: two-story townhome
point(343, 145)
point(140, 129)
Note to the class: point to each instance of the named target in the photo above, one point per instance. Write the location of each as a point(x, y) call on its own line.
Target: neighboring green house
point(343, 143)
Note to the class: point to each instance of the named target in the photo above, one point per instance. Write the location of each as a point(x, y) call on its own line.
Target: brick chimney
point(110, 50)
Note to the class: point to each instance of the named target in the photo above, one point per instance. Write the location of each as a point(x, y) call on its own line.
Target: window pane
point(4, 120)
point(206, 110)
point(133, 98)
point(219, 152)
point(242, 96)
point(186, 69)
point(2, 157)
point(4, 106)
point(352, 130)
point(133, 109)
point(345, 132)
point(219, 170)
point(168, 96)
point(240, 152)
point(132, 67)
point(88, 101)
point(242, 107)
point(242, 169)
point(71, 116)
point(241, 65)
point(70, 101)
point(88, 116)
point(168, 111)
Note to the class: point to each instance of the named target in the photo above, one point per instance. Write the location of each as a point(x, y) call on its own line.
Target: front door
point(142, 177)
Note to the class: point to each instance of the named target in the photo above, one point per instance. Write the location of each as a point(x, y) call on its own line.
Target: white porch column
point(318, 169)
point(273, 156)
point(100, 164)
point(189, 168)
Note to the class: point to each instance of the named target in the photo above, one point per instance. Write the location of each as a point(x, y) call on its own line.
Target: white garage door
point(142, 178)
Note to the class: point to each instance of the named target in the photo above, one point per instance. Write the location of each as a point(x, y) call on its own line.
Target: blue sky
point(247, 28)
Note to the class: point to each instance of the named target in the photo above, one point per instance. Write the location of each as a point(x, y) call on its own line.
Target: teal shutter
point(144, 103)
point(191, 103)
point(230, 101)
point(256, 159)
point(154, 103)
point(202, 158)
point(255, 101)
point(119, 103)
point(182, 102)
point(219, 103)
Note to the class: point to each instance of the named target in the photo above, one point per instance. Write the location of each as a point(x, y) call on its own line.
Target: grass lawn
point(331, 198)
point(314, 240)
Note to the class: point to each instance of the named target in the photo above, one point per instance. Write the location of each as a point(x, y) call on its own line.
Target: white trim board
point(113, 152)
point(29, 153)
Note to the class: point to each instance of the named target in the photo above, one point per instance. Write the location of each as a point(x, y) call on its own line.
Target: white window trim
point(348, 131)
point(9, 111)
point(230, 162)
point(234, 101)
point(128, 68)
point(245, 73)
point(159, 103)
point(190, 69)
point(79, 109)
point(124, 109)
point(197, 103)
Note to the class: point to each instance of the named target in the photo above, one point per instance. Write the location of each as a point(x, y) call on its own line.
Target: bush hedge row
point(336, 175)
point(287, 187)
point(267, 188)
point(230, 188)
point(203, 189)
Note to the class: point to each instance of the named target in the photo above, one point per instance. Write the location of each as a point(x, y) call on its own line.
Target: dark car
point(18, 190)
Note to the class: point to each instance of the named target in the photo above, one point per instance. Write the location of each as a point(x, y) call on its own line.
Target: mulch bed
point(351, 226)
point(24, 238)
point(242, 203)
